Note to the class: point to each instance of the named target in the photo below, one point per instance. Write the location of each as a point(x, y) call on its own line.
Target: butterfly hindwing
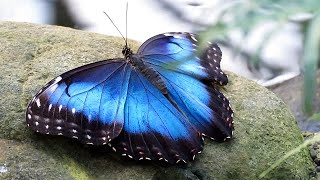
point(85, 103)
point(154, 129)
point(189, 83)
point(206, 108)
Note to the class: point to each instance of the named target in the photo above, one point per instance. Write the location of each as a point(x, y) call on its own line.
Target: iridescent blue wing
point(86, 103)
point(111, 101)
point(178, 51)
point(190, 80)
point(154, 129)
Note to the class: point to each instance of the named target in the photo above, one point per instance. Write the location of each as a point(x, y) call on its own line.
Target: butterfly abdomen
point(154, 77)
point(151, 74)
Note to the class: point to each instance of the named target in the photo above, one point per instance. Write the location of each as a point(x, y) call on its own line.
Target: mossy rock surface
point(31, 55)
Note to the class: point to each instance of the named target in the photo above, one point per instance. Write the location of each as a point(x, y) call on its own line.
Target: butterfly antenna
point(115, 27)
point(127, 23)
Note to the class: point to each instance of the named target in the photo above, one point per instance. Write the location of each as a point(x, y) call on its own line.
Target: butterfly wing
point(178, 51)
point(86, 103)
point(189, 81)
point(154, 129)
point(110, 100)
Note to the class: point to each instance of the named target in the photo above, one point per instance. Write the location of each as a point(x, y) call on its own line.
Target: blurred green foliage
point(314, 117)
point(244, 15)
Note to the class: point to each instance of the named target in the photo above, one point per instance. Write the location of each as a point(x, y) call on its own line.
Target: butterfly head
point(126, 51)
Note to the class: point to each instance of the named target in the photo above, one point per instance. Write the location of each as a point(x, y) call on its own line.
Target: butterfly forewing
point(177, 51)
point(85, 103)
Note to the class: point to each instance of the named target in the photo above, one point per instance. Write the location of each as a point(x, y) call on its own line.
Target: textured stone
point(291, 92)
point(31, 55)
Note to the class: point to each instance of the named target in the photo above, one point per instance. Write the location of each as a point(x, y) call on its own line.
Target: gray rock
point(291, 92)
point(31, 55)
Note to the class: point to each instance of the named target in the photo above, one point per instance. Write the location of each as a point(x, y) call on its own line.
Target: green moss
point(76, 171)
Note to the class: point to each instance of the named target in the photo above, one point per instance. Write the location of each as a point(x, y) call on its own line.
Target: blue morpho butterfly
point(154, 105)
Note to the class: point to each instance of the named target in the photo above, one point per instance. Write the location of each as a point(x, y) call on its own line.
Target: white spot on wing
point(50, 106)
point(60, 107)
point(36, 123)
point(47, 126)
point(177, 37)
point(29, 116)
point(88, 137)
point(74, 131)
point(73, 110)
point(193, 38)
point(38, 102)
point(59, 127)
point(57, 79)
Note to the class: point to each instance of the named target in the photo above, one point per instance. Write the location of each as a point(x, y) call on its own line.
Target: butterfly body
point(154, 105)
point(151, 74)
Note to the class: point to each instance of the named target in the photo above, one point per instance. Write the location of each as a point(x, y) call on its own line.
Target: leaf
point(310, 59)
